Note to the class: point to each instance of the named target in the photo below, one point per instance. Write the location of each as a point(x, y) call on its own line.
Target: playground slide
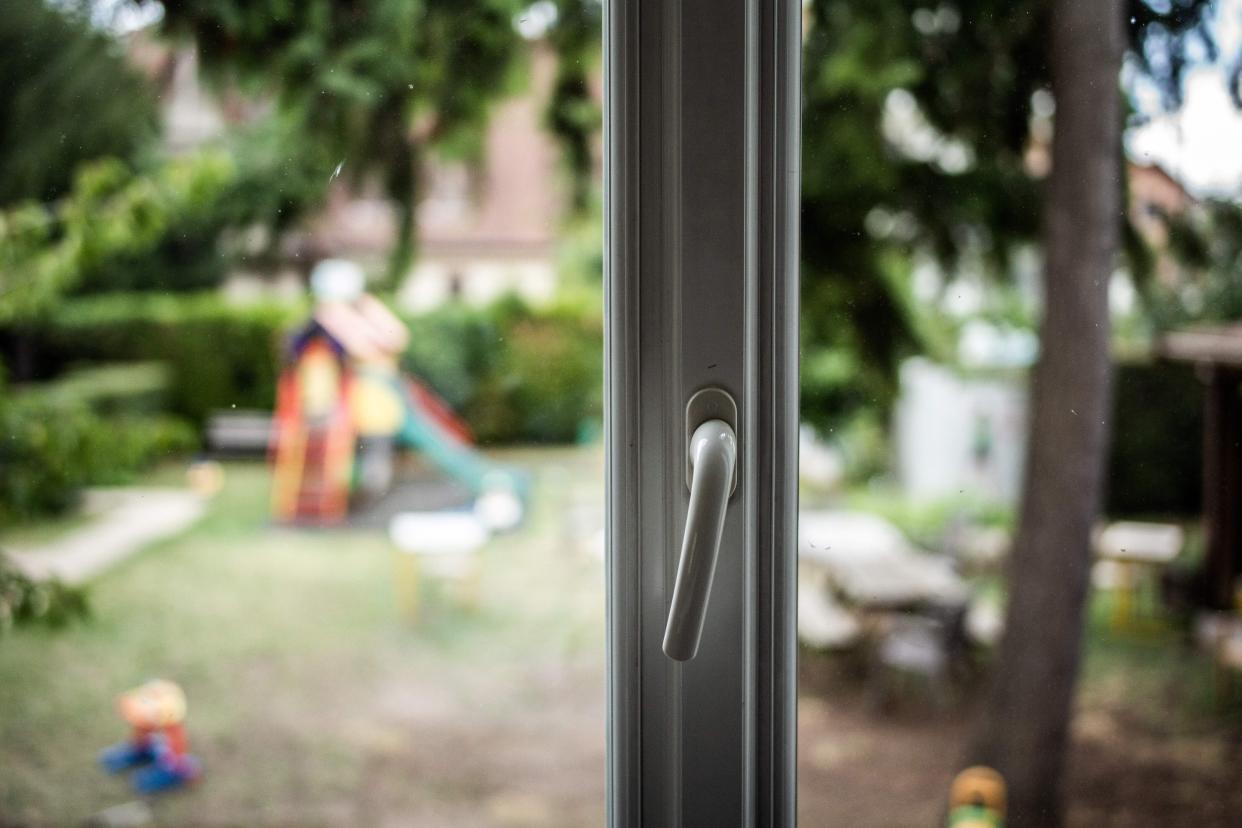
point(426, 430)
point(434, 406)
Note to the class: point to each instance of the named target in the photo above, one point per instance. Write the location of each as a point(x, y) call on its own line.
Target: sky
point(1200, 144)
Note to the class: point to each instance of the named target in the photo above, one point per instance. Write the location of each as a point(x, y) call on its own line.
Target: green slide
point(422, 432)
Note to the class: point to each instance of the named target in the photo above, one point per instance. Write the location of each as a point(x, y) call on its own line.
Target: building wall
point(477, 281)
point(958, 435)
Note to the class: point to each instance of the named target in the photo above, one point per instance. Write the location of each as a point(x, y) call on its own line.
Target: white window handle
point(712, 457)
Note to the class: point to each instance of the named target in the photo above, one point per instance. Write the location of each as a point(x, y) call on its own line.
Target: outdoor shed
point(1216, 354)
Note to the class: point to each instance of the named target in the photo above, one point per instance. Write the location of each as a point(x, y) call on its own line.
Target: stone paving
point(126, 520)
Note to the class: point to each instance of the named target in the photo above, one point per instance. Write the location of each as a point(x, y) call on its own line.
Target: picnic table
point(872, 565)
point(861, 580)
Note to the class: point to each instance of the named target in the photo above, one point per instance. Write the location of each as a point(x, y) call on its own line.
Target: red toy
point(156, 711)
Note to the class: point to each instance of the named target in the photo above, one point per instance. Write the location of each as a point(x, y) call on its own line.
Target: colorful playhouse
point(344, 409)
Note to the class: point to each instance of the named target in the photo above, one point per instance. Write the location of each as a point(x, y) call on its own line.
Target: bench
point(239, 433)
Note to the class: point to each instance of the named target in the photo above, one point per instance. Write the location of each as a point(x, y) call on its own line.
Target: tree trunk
point(403, 189)
point(1025, 730)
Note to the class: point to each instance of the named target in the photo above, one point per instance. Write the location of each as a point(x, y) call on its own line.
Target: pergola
point(1217, 355)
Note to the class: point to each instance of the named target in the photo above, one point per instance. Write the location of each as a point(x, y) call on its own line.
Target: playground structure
point(343, 409)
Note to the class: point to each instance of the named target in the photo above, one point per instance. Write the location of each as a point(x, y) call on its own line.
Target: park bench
point(238, 433)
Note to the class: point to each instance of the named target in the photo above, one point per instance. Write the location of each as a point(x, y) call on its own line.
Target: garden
point(302, 402)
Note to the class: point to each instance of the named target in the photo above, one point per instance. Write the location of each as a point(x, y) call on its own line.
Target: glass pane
point(300, 404)
point(1040, 577)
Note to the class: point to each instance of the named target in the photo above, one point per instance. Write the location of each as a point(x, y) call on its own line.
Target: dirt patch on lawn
point(864, 767)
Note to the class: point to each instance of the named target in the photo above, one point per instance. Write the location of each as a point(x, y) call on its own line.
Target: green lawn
point(312, 700)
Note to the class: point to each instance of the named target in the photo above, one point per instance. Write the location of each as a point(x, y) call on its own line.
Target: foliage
point(515, 373)
point(107, 389)
point(1155, 466)
point(24, 601)
point(929, 523)
point(1207, 243)
point(66, 97)
point(275, 177)
point(111, 214)
point(218, 355)
point(916, 122)
point(56, 443)
point(572, 115)
point(44, 459)
point(580, 254)
point(120, 447)
point(373, 84)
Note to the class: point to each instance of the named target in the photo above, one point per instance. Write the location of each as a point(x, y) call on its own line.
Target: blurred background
point(301, 375)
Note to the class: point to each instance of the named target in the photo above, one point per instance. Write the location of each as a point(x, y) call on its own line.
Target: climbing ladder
point(312, 462)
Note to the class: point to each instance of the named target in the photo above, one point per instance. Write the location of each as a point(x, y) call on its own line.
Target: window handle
point(712, 459)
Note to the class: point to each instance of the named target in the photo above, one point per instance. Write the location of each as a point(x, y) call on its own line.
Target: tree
point(110, 216)
point(376, 84)
point(1207, 244)
point(946, 182)
point(66, 97)
point(572, 115)
point(1028, 713)
point(950, 182)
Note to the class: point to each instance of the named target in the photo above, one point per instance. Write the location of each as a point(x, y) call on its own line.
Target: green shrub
point(218, 355)
point(450, 350)
point(55, 444)
point(44, 458)
point(515, 373)
point(23, 601)
point(108, 389)
point(118, 448)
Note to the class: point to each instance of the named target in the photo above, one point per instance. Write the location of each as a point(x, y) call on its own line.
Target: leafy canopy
point(917, 119)
point(369, 84)
point(110, 214)
point(66, 97)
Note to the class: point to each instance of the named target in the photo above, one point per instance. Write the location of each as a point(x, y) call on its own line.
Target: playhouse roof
point(1210, 346)
point(364, 328)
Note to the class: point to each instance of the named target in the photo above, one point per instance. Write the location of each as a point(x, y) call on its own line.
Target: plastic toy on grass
point(977, 799)
point(157, 748)
point(205, 478)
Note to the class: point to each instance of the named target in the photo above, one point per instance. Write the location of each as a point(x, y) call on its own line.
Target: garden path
point(127, 519)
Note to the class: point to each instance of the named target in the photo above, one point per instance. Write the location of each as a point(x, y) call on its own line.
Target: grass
point(284, 640)
point(1151, 671)
point(42, 531)
point(313, 702)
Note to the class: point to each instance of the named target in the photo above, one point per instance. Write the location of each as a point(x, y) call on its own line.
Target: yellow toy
point(977, 799)
point(205, 478)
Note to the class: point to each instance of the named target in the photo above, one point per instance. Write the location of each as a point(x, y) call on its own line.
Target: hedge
point(109, 389)
point(218, 355)
point(54, 445)
point(1155, 466)
point(515, 373)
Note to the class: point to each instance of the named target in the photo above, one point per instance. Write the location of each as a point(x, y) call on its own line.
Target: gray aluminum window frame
point(701, 218)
